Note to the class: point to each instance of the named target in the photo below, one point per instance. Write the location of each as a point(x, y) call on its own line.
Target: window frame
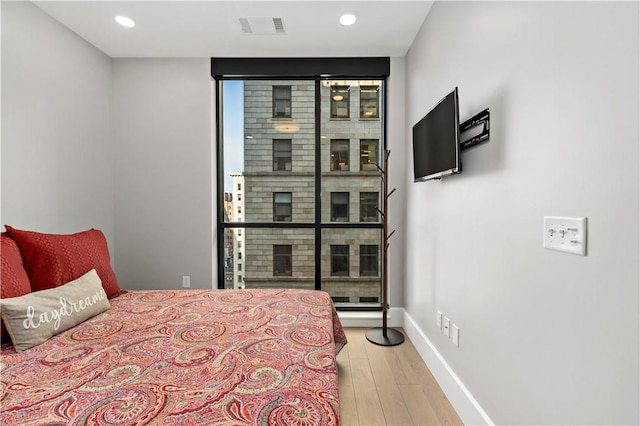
point(333, 214)
point(345, 102)
point(334, 263)
point(368, 89)
point(335, 155)
point(276, 159)
point(277, 99)
point(281, 204)
point(376, 154)
point(375, 205)
point(280, 256)
point(369, 256)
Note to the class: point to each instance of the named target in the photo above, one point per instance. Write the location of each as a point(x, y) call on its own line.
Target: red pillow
point(15, 281)
point(52, 260)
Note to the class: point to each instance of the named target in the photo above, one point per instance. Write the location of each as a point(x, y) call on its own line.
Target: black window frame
point(365, 259)
point(285, 69)
point(364, 153)
point(344, 92)
point(369, 206)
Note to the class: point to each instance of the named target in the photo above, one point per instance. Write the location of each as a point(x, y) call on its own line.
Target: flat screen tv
point(436, 141)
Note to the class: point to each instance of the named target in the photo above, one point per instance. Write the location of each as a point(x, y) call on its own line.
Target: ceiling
point(212, 28)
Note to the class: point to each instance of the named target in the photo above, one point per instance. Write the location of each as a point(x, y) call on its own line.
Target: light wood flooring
point(388, 385)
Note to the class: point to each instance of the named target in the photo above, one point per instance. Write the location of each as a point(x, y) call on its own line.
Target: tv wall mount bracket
point(478, 119)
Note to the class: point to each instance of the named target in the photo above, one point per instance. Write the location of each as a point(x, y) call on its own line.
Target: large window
point(282, 207)
point(299, 182)
point(282, 155)
point(282, 101)
point(340, 154)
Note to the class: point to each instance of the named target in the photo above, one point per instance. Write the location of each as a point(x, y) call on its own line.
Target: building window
point(239, 278)
point(339, 101)
point(282, 101)
point(239, 232)
point(282, 261)
point(282, 155)
point(239, 209)
point(282, 207)
point(368, 207)
point(339, 154)
point(369, 100)
point(369, 154)
point(339, 207)
point(368, 261)
point(239, 187)
point(239, 266)
point(239, 255)
point(239, 197)
point(340, 260)
point(239, 244)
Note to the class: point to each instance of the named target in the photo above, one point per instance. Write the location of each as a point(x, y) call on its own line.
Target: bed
point(176, 357)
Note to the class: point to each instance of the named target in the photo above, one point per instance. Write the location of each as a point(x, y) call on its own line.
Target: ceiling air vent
point(262, 26)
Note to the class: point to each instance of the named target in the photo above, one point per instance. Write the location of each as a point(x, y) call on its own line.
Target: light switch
point(568, 234)
point(446, 326)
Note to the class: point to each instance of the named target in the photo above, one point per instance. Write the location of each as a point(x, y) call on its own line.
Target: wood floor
point(388, 386)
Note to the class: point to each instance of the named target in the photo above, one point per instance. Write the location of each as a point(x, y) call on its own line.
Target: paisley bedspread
point(184, 357)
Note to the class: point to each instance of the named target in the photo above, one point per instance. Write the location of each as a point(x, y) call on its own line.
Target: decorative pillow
point(15, 281)
point(52, 259)
point(34, 318)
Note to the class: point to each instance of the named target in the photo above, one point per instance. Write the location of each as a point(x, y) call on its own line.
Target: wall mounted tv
point(436, 141)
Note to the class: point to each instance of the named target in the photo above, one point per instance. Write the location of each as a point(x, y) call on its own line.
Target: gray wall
point(163, 168)
point(57, 151)
point(545, 337)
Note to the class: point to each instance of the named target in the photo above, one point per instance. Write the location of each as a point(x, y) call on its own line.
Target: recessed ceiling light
point(125, 21)
point(348, 18)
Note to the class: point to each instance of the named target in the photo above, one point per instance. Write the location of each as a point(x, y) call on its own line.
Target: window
point(368, 261)
point(339, 154)
point(368, 207)
point(282, 101)
point(339, 101)
point(239, 266)
point(239, 187)
point(239, 232)
point(239, 255)
point(282, 207)
point(368, 154)
point(282, 261)
point(282, 155)
point(239, 209)
point(239, 244)
point(239, 278)
point(239, 197)
point(340, 260)
point(339, 207)
point(369, 99)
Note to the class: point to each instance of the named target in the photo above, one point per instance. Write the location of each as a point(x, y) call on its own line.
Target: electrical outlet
point(186, 281)
point(446, 326)
point(439, 319)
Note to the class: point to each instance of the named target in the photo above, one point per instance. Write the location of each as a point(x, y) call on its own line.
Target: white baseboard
point(395, 318)
point(469, 410)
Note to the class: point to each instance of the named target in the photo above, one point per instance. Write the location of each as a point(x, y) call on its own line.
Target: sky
point(233, 129)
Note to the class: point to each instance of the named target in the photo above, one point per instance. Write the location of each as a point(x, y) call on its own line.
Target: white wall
point(163, 166)
point(57, 155)
point(546, 337)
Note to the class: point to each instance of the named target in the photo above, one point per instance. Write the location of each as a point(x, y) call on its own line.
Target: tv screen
point(436, 141)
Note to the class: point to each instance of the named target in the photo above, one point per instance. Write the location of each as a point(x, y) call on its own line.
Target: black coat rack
point(385, 336)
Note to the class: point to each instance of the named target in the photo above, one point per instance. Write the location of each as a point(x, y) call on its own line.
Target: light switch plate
point(446, 326)
point(439, 319)
point(455, 335)
point(568, 234)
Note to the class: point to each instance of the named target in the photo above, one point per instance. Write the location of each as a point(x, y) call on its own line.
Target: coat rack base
point(378, 336)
